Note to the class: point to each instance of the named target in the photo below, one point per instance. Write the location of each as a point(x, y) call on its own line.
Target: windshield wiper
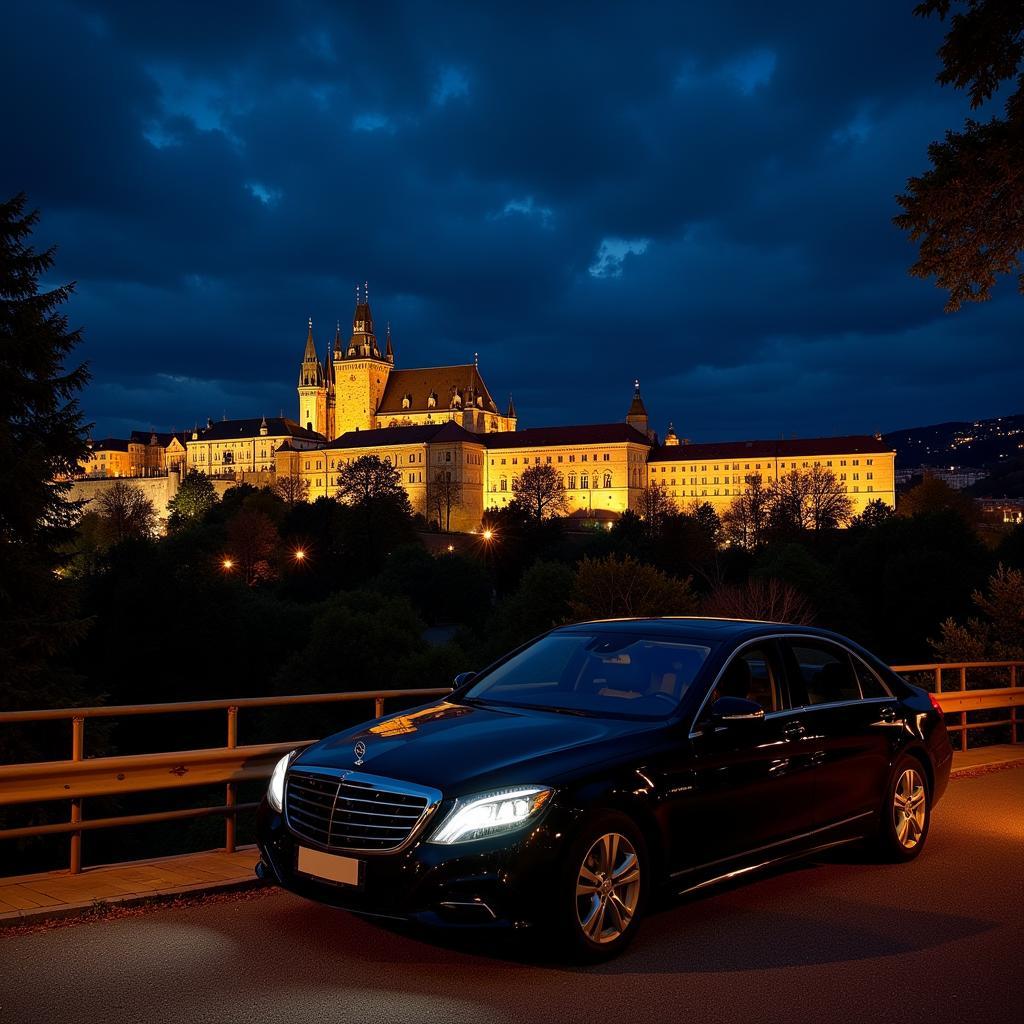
point(578, 712)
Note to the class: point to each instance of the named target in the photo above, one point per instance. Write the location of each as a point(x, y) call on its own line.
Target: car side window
point(752, 674)
point(871, 686)
point(826, 671)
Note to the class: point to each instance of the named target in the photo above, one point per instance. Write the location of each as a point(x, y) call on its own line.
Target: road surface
point(938, 940)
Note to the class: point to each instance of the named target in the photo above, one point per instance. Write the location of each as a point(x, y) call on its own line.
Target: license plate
point(329, 866)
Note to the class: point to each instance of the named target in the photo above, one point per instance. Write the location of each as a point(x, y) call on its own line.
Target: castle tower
point(330, 376)
point(671, 437)
point(312, 388)
point(360, 378)
point(637, 415)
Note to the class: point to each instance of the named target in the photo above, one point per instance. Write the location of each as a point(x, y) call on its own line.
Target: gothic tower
point(312, 388)
point(362, 374)
point(637, 415)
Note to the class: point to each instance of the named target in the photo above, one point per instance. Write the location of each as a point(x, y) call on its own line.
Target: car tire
point(603, 884)
point(906, 812)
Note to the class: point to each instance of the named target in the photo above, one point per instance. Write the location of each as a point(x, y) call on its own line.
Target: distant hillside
point(981, 443)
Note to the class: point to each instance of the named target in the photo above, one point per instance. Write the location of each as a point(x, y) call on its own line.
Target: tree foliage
point(654, 506)
point(253, 543)
point(42, 439)
point(291, 488)
point(967, 211)
point(767, 599)
point(377, 512)
point(125, 513)
point(443, 494)
point(998, 633)
point(745, 522)
point(611, 587)
point(540, 492)
point(934, 495)
point(195, 497)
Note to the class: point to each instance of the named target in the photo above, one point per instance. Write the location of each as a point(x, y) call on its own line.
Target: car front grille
point(352, 811)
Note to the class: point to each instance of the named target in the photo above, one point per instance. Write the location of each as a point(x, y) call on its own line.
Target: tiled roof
point(441, 381)
point(857, 444)
point(592, 433)
point(162, 439)
point(111, 444)
point(228, 430)
point(385, 436)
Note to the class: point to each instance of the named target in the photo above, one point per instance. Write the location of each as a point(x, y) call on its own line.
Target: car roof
point(694, 627)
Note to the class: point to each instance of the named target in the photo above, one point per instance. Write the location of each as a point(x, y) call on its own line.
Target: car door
point(752, 781)
point(850, 723)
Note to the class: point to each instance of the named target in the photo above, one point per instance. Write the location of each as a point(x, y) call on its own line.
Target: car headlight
point(275, 790)
point(489, 814)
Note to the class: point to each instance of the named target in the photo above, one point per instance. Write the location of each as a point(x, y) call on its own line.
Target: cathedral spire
point(389, 352)
point(637, 415)
point(511, 413)
point(363, 342)
point(311, 373)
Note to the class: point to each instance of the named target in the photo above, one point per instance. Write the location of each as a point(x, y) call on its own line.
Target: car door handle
point(794, 731)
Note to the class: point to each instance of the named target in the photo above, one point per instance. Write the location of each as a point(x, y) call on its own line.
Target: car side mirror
point(726, 710)
point(461, 679)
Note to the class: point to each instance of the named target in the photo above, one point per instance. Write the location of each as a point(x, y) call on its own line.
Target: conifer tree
point(42, 443)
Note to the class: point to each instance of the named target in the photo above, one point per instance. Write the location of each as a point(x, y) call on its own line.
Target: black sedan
point(605, 763)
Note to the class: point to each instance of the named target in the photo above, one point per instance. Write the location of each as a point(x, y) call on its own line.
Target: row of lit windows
point(757, 465)
point(570, 482)
point(536, 459)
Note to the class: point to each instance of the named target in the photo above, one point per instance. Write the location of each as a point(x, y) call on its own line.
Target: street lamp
point(300, 554)
point(488, 534)
point(227, 564)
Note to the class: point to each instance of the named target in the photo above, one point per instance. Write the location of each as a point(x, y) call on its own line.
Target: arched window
point(607, 479)
point(584, 482)
point(572, 481)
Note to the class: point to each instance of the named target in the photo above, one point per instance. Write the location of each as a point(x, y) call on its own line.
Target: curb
point(985, 769)
point(66, 911)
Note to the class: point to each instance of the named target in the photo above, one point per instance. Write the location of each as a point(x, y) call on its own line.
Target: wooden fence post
point(231, 791)
point(77, 753)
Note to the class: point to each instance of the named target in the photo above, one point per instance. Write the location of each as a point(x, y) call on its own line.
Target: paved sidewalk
point(25, 899)
point(995, 756)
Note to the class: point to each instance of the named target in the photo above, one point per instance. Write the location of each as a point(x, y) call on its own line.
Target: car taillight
point(935, 703)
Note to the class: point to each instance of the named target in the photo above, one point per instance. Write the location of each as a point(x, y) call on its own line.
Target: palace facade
point(458, 454)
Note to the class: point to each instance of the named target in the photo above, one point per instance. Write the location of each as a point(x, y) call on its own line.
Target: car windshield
point(603, 674)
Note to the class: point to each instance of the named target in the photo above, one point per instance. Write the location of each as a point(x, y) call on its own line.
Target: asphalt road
point(938, 940)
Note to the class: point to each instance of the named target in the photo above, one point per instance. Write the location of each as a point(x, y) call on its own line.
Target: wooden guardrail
point(82, 777)
point(965, 699)
point(231, 764)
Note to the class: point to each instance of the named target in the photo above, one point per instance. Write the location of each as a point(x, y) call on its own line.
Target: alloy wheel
point(608, 888)
point(909, 808)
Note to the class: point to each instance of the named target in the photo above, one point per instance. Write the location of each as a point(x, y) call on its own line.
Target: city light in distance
point(300, 554)
point(228, 564)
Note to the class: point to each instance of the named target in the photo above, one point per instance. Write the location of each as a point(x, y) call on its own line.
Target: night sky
point(696, 194)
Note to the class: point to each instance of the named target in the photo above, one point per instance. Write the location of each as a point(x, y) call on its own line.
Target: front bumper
point(507, 881)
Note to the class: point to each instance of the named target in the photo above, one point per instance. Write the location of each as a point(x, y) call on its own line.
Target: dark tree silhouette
point(42, 442)
point(967, 211)
point(291, 488)
point(540, 492)
point(443, 495)
point(125, 513)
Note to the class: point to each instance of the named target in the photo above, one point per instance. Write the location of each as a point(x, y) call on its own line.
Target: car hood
point(458, 747)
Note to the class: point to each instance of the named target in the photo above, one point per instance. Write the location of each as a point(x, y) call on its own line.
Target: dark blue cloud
point(699, 195)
